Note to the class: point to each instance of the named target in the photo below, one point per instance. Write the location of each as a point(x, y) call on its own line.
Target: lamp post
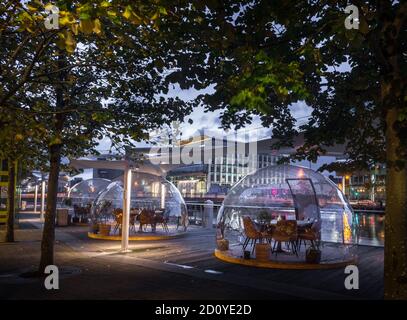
point(162, 201)
point(126, 208)
point(42, 200)
point(343, 184)
point(35, 198)
point(344, 178)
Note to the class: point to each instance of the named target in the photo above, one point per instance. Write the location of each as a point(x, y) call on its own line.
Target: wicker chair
point(252, 234)
point(285, 231)
point(162, 218)
point(311, 234)
point(134, 215)
point(147, 218)
point(118, 218)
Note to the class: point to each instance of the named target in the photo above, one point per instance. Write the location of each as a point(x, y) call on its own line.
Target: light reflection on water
point(371, 228)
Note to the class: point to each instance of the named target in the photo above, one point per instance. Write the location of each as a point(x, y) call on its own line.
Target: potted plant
point(313, 253)
point(264, 217)
point(104, 229)
point(68, 202)
point(94, 226)
point(221, 242)
point(104, 214)
point(263, 251)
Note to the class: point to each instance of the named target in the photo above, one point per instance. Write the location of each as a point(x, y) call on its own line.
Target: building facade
point(218, 176)
point(368, 185)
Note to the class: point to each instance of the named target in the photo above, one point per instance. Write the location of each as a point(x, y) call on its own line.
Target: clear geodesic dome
point(155, 202)
point(85, 192)
point(257, 208)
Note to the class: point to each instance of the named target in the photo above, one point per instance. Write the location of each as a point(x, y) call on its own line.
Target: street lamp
point(35, 198)
point(42, 199)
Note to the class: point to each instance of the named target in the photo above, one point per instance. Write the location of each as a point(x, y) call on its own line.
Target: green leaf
point(105, 4)
point(127, 12)
point(55, 140)
point(162, 10)
point(84, 16)
point(49, 6)
point(97, 26)
point(86, 26)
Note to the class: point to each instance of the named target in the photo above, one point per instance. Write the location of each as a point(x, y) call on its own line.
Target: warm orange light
point(347, 177)
point(301, 173)
point(347, 231)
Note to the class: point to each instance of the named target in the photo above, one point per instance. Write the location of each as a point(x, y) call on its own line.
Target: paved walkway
point(182, 268)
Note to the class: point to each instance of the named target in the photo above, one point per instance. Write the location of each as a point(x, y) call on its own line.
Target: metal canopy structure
point(127, 166)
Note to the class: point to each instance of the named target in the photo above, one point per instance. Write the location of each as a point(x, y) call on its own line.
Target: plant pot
point(263, 251)
point(246, 254)
point(104, 229)
point(223, 244)
point(313, 255)
point(94, 228)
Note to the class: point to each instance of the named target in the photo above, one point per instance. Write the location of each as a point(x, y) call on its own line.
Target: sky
point(210, 121)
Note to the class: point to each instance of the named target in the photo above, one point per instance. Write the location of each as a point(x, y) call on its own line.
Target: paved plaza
point(183, 268)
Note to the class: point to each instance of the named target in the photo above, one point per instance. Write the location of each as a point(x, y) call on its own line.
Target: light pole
point(126, 208)
point(35, 198)
point(42, 200)
point(343, 184)
point(344, 178)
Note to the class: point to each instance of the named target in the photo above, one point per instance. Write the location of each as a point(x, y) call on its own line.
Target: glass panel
point(305, 200)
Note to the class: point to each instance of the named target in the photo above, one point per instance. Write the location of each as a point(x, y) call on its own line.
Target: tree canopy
point(352, 79)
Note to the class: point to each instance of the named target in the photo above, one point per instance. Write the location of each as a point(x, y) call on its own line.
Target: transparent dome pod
point(154, 192)
point(85, 192)
point(107, 201)
point(287, 192)
point(150, 193)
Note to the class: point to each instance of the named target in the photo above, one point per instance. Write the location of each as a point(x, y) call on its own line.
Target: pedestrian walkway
point(182, 268)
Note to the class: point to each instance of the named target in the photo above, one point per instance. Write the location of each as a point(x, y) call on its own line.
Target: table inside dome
point(320, 221)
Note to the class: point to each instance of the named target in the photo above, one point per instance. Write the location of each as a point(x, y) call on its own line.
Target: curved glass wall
point(85, 192)
point(81, 197)
point(156, 205)
point(257, 209)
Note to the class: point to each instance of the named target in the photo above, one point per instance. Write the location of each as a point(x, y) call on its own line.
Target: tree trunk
point(11, 200)
point(48, 234)
point(395, 253)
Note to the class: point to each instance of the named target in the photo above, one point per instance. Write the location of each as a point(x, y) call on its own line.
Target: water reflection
point(371, 228)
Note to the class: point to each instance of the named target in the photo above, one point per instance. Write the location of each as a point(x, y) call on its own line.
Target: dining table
point(300, 223)
point(267, 225)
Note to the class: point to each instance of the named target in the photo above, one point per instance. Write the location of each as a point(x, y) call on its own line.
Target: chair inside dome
point(298, 214)
point(156, 206)
point(82, 195)
point(85, 192)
